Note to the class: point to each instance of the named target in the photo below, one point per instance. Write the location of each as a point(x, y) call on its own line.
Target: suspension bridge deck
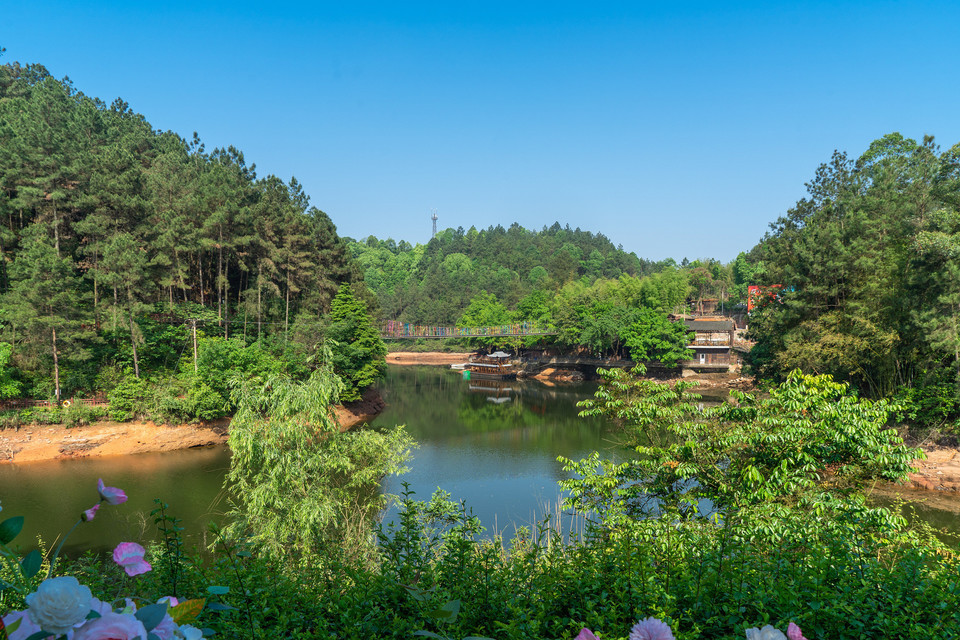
point(394, 330)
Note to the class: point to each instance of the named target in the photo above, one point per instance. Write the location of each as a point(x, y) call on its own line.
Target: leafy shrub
point(79, 414)
point(127, 399)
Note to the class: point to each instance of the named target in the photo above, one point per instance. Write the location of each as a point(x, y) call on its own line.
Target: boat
point(496, 366)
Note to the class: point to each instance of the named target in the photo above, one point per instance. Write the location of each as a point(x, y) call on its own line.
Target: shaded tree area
point(870, 263)
point(115, 238)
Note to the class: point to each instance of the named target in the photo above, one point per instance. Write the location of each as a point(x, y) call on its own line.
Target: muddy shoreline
point(38, 443)
point(939, 473)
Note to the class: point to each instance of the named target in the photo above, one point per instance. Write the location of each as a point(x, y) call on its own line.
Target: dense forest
point(869, 262)
point(116, 240)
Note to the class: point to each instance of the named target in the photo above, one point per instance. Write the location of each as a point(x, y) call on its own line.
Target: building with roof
point(712, 344)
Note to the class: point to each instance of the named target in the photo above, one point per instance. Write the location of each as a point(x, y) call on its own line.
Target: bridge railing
point(393, 329)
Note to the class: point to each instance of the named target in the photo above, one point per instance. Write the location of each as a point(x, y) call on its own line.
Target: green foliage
point(9, 386)
point(117, 237)
point(870, 262)
point(653, 337)
point(128, 399)
point(357, 351)
point(809, 434)
point(303, 488)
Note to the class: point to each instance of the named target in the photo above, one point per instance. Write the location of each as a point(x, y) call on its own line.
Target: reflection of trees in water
point(437, 404)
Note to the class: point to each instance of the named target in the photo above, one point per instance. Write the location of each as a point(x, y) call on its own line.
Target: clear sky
point(677, 129)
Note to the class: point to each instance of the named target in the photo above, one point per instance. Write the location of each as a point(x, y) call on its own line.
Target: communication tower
point(434, 218)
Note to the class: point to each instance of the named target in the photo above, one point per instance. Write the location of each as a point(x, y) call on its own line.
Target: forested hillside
point(434, 283)
point(113, 235)
point(597, 297)
point(870, 263)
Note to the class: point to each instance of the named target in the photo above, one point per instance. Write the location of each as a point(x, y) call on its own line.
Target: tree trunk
point(183, 285)
point(133, 338)
point(220, 283)
point(56, 366)
point(200, 268)
point(226, 301)
point(96, 297)
point(259, 289)
point(286, 320)
point(56, 231)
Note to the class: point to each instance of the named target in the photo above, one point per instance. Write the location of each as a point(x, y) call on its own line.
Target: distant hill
point(434, 283)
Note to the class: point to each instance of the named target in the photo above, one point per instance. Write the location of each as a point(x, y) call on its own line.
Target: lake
point(492, 444)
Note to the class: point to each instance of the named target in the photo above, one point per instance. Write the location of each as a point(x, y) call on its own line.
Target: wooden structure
point(712, 344)
point(496, 366)
point(29, 403)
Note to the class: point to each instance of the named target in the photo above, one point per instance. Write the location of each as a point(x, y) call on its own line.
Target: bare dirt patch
point(431, 357)
point(34, 443)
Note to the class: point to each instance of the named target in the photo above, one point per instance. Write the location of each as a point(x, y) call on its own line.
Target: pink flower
point(115, 626)
point(129, 555)
point(585, 634)
point(651, 629)
point(794, 633)
point(26, 628)
point(89, 513)
point(111, 495)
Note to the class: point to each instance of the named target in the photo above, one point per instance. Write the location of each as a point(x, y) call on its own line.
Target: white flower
point(188, 632)
point(59, 604)
point(769, 632)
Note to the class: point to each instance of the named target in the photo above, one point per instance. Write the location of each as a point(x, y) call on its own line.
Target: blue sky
point(675, 129)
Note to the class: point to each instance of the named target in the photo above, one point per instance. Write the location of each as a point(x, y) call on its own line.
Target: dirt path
point(430, 357)
point(35, 443)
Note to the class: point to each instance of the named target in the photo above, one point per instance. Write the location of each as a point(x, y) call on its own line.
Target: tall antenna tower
point(434, 218)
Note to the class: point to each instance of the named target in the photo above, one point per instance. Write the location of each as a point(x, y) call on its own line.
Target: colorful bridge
point(394, 330)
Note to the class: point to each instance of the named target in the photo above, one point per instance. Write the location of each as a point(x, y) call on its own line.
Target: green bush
point(128, 399)
point(79, 414)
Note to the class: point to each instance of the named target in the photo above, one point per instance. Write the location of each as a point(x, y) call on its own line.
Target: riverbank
point(36, 443)
point(427, 357)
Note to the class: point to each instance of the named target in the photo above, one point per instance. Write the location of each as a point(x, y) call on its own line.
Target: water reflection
point(500, 457)
point(52, 494)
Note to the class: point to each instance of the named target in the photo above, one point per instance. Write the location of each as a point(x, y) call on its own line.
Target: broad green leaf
point(30, 564)
point(151, 615)
point(10, 529)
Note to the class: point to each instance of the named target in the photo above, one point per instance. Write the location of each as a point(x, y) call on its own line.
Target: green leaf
point(215, 590)
point(427, 634)
point(30, 564)
point(447, 613)
point(10, 529)
point(219, 606)
point(13, 627)
point(151, 615)
point(39, 635)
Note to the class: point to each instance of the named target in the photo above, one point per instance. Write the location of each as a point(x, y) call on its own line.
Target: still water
point(493, 445)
